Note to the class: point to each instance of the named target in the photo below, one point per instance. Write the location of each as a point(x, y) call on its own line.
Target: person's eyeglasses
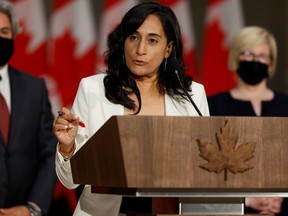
point(250, 56)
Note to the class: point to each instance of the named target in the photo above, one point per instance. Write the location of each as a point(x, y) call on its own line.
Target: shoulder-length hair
point(118, 75)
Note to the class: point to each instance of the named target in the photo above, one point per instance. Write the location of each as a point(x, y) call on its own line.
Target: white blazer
point(94, 110)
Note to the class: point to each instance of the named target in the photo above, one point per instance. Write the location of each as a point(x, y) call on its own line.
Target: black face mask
point(6, 50)
point(252, 72)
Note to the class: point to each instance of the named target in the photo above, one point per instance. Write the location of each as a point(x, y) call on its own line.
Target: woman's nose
point(141, 49)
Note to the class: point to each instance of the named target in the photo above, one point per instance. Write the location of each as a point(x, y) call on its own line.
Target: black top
point(224, 105)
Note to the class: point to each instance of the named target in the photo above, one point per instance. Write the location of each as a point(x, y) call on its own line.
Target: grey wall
point(271, 14)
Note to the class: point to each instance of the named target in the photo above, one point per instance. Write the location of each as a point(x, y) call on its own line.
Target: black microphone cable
point(185, 91)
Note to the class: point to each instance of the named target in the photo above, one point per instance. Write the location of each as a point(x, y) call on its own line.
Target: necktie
point(4, 118)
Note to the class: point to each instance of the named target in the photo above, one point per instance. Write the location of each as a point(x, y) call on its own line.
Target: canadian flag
point(30, 53)
point(113, 11)
point(30, 45)
point(182, 10)
point(224, 19)
point(72, 56)
point(72, 47)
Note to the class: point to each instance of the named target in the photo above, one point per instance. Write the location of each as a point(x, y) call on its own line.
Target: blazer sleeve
point(63, 168)
point(44, 184)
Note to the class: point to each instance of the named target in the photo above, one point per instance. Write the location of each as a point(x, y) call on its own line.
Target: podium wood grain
point(161, 152)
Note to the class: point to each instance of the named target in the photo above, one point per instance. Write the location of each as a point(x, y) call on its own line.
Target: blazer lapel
point(175, 108)
point(17, 100)
point(2, 142)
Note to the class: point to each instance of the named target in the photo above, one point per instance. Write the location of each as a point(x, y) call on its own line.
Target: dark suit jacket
point(27, 163)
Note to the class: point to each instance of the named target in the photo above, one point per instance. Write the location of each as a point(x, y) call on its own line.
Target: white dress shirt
point(5, 86)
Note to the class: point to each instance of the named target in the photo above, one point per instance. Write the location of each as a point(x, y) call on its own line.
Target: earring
point(123, 59)
point(165, 64)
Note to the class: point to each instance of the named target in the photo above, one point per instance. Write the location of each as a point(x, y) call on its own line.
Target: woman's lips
point(138, 62)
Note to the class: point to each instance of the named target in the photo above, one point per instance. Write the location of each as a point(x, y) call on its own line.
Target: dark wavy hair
point(119, 77)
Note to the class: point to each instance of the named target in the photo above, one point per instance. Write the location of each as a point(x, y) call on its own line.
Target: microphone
point(176, 67)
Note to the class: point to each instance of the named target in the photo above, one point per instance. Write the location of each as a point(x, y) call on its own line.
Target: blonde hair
point(250, 37)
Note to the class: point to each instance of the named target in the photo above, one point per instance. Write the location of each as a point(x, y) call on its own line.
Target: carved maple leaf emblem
point(226, 156)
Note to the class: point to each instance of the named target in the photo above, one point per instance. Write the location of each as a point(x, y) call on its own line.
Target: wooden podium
point(196, 159)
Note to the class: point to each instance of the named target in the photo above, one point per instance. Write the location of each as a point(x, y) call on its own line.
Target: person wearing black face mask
point(253, 57)
point(27, 144)
point(7, 49)
point(252, 72)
